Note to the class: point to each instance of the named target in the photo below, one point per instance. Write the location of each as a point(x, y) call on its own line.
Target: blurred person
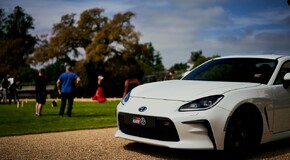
point(40, 89)
point(68, 81)
point(13, 92)
point(5, 85)
point(130, 84)
point(100, 96)
point(170, 75)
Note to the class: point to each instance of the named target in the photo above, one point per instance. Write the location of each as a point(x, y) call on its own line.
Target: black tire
point(244, 132)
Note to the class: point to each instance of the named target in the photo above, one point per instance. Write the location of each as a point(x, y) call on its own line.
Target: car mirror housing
point(286, 81)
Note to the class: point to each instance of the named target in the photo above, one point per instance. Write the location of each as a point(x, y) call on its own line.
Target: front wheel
point(243, 133)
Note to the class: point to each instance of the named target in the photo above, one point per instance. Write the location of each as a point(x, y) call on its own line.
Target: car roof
point(265, 56)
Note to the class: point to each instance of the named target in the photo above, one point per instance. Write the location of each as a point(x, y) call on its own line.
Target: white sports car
point(229, 103)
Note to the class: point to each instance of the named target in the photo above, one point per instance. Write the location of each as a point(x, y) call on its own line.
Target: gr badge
point(139, 121)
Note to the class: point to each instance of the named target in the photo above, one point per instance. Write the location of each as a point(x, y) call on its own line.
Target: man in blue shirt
point(68, 80)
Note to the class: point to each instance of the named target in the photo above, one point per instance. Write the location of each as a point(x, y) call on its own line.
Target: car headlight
point(126, 98)
point(201, 104)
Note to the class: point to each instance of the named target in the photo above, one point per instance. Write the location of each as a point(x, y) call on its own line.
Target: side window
point(283, 70)
point(264, 72)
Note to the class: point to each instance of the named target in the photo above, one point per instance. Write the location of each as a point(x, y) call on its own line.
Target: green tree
point(16, 43)
point(111, 48)
point(68, 39)
point(178, 69)
point(197, 58)
point(69, 36)
point(62, 42)
point(148, 58)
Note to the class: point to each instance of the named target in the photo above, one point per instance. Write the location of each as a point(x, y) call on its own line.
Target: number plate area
point(138, 120)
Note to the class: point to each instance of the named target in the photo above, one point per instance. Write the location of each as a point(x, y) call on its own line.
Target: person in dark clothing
point(5, 85)
point(40, 89)
point(68, 81)
point(13, 93)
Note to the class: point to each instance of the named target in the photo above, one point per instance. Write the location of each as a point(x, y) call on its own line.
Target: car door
point(281, 101)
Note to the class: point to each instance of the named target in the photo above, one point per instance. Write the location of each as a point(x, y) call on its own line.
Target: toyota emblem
point(142, 109)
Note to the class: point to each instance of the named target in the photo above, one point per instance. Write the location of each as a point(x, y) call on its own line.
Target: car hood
point(186, 90)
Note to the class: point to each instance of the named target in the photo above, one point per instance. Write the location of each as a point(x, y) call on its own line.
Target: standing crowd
point(9, 90)
point(66, 84)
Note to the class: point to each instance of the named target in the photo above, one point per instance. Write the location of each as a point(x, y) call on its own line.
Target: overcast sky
point(178, 27)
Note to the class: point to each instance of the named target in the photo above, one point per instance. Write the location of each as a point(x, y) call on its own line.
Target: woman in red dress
point(100, 96)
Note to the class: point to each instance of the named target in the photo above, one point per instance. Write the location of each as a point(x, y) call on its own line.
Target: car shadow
point(272, 150)
point(74, 115)
point(168, 153)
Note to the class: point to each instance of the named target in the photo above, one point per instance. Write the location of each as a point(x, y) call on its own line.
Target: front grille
point(159, 128)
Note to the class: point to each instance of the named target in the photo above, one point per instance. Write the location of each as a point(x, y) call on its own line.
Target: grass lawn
point(85, 115)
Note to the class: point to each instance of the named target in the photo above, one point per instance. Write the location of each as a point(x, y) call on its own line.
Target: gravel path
point(101, 144)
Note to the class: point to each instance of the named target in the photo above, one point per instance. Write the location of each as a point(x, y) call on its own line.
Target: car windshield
point(254, 70)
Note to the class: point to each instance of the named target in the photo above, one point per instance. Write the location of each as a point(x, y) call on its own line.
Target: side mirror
point(286, 81)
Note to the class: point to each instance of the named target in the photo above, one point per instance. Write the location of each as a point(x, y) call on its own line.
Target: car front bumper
point(200, 130)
